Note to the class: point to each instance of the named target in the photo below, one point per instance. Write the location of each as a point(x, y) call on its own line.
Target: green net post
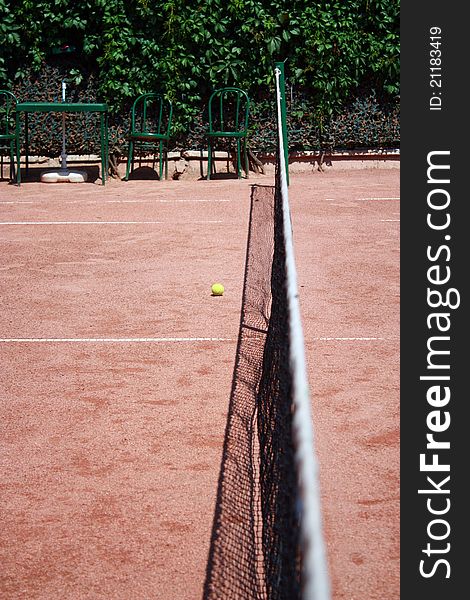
point(282, 89)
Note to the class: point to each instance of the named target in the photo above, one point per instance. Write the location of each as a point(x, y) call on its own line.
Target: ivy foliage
point(334, 50)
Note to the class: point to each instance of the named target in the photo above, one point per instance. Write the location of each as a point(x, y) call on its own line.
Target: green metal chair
point(228, 112)
point(150, 126)
point(8, 131)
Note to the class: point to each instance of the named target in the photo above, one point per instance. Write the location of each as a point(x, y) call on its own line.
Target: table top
point(60, 107)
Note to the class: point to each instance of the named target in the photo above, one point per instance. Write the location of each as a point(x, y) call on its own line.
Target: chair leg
point(12, 162)
point(247, 164)
point(130, 156)
point(239, 162)
point(209, 160)
point(160, 160)
point(166, 164)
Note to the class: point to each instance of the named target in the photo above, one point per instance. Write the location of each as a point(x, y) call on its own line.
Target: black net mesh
point(254, 551)
point(278, 479)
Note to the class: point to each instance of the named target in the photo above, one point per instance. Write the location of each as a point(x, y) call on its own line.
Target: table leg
point(106, 137)
point(26, 141)
point(18, 148)
point(103, 148)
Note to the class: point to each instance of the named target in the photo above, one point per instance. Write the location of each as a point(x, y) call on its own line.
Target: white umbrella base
point(63, 176)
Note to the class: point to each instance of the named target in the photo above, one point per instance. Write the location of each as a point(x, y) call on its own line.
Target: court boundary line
point(380, 198)
point(105, 340)
point(350, 339)
point(176, 339)
point(175, 201)
point(5, 223)
point(362, 199)
point(154, 201)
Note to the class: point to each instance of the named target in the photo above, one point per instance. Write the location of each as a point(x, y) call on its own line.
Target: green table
point(64, 107)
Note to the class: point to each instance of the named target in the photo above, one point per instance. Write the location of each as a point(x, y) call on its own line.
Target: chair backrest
point(7, 105)
point(228, 110)
point(151, 113)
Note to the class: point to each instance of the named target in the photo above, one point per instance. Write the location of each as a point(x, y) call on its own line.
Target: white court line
point(160, 340)
point(348, 339)
point(83, 201)
point(389, 220)
point(153, 201)
point(163, 340)
point(356, 199)
point(106, 223)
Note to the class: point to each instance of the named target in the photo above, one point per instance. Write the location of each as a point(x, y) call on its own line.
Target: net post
point(283, 124)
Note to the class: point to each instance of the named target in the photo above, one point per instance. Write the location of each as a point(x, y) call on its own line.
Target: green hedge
point(342, 64)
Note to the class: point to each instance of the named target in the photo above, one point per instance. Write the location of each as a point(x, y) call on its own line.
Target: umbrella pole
point(63, 174)
point(63, 156)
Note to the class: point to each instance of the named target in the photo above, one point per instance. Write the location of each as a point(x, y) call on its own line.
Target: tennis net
point(267, 541)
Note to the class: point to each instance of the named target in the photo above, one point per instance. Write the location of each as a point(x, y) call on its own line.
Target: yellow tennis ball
point(217, 289)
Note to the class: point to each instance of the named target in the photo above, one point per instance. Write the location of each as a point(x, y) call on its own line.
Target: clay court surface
point(117, 366)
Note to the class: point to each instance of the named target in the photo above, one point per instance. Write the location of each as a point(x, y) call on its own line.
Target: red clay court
point(117, 366)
